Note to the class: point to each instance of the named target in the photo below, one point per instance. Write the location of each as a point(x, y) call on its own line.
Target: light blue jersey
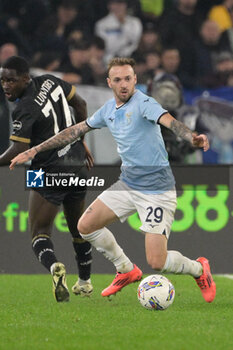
point(145, 165)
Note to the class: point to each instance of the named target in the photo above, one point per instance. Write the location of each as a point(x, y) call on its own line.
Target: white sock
point(52, 268)
point(177, 263)
point(104, 241)
point(82, 282)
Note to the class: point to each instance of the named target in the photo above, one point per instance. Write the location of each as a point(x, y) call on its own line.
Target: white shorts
point(156, 211)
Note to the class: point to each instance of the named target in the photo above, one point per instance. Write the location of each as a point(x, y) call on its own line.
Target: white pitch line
point(226, 276)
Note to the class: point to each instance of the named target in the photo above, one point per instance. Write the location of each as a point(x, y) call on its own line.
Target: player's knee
point(84, 227)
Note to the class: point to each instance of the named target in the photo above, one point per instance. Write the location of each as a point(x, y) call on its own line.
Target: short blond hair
point(121, 61)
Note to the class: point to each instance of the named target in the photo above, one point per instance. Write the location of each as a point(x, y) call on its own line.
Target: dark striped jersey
point(42, 112)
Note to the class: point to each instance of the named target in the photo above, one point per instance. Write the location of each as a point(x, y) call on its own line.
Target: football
point(156, 292)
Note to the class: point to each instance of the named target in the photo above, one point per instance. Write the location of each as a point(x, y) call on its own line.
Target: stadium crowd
point(192, 39)
point(188, 40)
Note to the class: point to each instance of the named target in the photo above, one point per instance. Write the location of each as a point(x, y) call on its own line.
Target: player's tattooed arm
point(182, 131)
point(64, 137)
point(60, 140)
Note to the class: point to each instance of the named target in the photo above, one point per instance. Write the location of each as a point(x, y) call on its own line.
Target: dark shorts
point(58, 197)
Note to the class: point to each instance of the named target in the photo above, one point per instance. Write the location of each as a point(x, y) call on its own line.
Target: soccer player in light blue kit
point(146, 183)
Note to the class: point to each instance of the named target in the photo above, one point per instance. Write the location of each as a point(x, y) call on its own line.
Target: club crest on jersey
point(128, 116)
point(35, 178)
point(17, 125)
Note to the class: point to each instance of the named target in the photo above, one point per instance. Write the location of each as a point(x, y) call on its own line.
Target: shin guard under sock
point(43, 249)
point(83, 257)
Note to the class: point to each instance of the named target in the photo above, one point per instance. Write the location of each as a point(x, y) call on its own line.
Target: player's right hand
point(200, 141)
point(23, 157)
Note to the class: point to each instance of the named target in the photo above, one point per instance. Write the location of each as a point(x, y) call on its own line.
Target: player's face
point(13, 85)
point(122, 80)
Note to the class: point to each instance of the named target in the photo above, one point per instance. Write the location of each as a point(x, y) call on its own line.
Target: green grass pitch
point(30, 318)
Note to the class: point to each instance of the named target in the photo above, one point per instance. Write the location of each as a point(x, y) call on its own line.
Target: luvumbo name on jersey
point(44, 90)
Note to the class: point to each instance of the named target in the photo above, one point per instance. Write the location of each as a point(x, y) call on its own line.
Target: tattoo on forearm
point(64, 137)
point(181, 130)
point(89, 210)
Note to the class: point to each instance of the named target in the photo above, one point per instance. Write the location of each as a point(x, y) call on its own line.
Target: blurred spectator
point(170, 60)
point(150, 39)
point(12, 35)
point(25, 15)
point(224, 68)
point(7, 50)
point(167, 90)
point(207, 47)
point(179, 27)
point(221, 14)
point(135, 8)
point(153, 9)
point(140, 69)
point(75, 35)
point(56, 28)
point(222, 71)
point(205, 5)
point(47, 60)
point(92, 10)
point(152, 59)
point(77, 69)
point(171, 64)
point(96, 60)
point(120, 31)
point(180, 22)
point(227, 35)
point(147, 65)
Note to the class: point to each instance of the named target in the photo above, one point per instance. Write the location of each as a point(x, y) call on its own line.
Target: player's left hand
point(23, 157)
point(200, 141)
point(89, 157)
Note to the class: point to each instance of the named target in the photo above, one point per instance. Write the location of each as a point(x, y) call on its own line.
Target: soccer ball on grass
point(156, 292)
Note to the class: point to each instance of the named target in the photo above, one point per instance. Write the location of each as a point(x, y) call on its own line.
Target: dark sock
point(83, 257)
point(43, 249)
